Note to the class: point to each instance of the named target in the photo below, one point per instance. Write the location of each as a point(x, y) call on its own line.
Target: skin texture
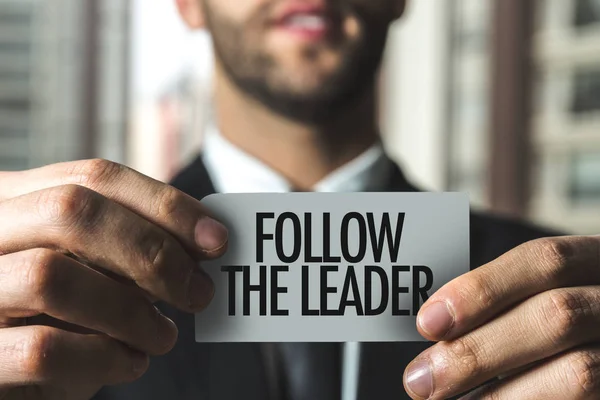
point(530, 318)
point(81, 260)
point(306, 82)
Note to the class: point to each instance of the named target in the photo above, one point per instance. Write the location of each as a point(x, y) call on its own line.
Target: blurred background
point(499, 98)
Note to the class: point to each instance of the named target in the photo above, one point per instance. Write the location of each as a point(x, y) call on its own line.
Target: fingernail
point(166, 330)
point(437, 319)
point(419, 379)
point(210, 234)
point(139, 363)
point(201, 291)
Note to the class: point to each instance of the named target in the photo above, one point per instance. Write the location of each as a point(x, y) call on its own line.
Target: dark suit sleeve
point(492, 236)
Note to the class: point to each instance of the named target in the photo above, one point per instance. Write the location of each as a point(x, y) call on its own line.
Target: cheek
point(352, 28)
point(237, 11)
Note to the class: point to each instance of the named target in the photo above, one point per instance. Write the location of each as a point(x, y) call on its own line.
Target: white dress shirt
point(234, 171)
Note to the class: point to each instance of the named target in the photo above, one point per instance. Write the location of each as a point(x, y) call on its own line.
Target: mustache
point(336, 8)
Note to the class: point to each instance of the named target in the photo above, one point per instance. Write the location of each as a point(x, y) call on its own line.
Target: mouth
point(304, 20)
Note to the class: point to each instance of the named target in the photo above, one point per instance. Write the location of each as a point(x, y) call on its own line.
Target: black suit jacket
point(194, 371)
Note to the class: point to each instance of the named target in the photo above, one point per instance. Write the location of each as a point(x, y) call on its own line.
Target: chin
point(299, 88)
point(304, 80)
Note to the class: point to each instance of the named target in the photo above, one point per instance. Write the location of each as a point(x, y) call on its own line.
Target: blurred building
point(566, 117)
point(469, 85)
point(166, 134)
point(513, 116)
point(524, 101)
point(16, 21)
point(415, 92)
point(63, 80)
point(499, 98)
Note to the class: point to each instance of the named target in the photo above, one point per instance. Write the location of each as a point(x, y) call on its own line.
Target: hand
point(530, 319)
point(87, 246)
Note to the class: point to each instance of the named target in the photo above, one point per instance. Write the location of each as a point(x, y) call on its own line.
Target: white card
point(331, 267)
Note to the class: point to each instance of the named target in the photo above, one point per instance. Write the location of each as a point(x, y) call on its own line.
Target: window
point(469, 105)
point(9, 49)
point(13, 132)
point(14, 104)
point(12, 163)
point(587, 12)
point(584, 176)
point(586, 91)
point(15, 78)
point(566, 121)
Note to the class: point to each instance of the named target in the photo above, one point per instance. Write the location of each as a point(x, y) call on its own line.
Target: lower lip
point(303, 33)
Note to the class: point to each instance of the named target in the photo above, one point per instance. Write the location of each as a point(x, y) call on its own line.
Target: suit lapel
point(236, 370)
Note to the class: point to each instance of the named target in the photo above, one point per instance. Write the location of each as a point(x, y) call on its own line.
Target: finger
point(107, 235)
point(45, 282)
point(541, 327)
point(475, 298)
point(179, 214)
point(518, 370)
point(38, 355)
point(571, 376)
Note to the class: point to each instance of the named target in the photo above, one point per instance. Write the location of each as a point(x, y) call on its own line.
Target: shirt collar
point(234, 171)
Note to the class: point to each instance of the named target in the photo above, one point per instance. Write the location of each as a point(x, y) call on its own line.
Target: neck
point(304, 154)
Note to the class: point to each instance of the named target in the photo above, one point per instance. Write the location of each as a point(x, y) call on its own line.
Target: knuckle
point(167, 204)
point(36, 353)
point(40, 274)
point(582, 373)
point(71, 205)
point(157, 252)
point(132, 311)
point(95, 172)
point(565, 310)
point(467, 359)
point(556, 253)
point(139, 319)
point(157, 255)
point(477, 288)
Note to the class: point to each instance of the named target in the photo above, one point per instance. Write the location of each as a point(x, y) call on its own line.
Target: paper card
point(331, 267)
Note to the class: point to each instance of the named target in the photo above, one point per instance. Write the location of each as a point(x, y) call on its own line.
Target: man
point(86, 247)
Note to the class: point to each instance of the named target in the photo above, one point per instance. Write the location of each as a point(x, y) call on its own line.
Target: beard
point(258, 74)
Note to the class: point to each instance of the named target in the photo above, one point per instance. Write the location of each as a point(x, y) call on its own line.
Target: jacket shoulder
point(194, 180)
